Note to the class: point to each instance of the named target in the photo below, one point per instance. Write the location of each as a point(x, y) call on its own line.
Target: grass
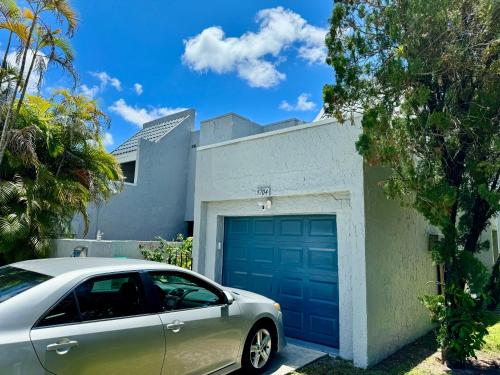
point(492, 344)
point(419, 358)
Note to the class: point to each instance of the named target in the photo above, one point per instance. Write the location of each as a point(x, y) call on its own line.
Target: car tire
point(253, 360)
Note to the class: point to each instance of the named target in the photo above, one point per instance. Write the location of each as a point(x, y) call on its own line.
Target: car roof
point(58, 266)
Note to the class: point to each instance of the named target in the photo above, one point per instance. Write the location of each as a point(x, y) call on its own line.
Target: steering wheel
point(180, 294)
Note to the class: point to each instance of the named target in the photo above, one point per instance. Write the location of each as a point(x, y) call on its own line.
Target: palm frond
point(17, 28)
point(64, 13)
point(9, 8)
point(21, 142)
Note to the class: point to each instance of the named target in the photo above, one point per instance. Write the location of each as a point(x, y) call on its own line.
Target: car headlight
point(277, 306)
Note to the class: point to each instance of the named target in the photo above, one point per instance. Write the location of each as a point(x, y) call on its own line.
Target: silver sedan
point(124, 316)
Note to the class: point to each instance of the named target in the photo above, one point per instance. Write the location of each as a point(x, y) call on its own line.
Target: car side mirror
point(229, 299)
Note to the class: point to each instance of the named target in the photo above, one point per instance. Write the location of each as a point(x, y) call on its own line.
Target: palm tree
point(50, 48)
point(39, 35)
point(11, 14)
point(64, 152)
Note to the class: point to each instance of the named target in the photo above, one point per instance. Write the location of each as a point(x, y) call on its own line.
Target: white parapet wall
point(128, 249)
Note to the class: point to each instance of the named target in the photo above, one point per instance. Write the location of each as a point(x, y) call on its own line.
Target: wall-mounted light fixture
point(265, 205)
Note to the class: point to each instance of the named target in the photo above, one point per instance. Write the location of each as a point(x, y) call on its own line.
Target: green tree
point(426, 77)
point(33, 27)
point(55, 165)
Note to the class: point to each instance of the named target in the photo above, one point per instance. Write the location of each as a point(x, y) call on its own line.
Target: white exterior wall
point(488, 256)
point(399, 270)
point(63, 248)
point(311, 169)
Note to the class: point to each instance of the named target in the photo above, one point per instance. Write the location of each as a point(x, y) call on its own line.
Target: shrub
point(179, 254)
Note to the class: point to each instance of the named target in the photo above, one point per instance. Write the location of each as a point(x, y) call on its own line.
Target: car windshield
point(16, 280)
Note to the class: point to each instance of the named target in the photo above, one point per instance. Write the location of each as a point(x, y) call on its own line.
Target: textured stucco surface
point(398, 270)
point(227, 127)
point(155, 205)
point(311, 169)
point(191, 171)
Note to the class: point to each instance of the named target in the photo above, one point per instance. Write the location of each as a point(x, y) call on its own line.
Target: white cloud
point(107, 139)
point(139, 116)
point(303, 104)
point(106, 80)
point(89, 92)
point(138, 88)
point(35, 75)
point(254, 56)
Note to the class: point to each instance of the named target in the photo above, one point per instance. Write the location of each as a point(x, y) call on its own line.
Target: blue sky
point(143, 58)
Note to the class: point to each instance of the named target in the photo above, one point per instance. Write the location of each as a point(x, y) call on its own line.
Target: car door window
point(103, 297)
point(180, 291)
point(111, 296)
point(65, 312)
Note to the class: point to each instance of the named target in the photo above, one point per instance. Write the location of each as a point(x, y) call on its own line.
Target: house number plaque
point(264, 191)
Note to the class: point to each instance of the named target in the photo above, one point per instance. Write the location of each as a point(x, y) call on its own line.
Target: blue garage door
point(293, 260)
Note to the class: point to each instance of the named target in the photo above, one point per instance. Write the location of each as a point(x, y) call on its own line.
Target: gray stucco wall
point(226, 127)
point(282, 125)
point(311, 169)
point(193, 147)
point(155, 205)
point(398, 270)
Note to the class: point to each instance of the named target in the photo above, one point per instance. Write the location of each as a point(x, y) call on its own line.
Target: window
point(108, 297)
point(14, 281)
point(102, 297)
point(179, 291)
point(128, 170)
point(65, 312)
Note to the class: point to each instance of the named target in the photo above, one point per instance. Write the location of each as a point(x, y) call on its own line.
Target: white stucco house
point(292, 212)
point(288, 210)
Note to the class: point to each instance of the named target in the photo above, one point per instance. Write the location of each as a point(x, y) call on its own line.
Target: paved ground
point(292, 358)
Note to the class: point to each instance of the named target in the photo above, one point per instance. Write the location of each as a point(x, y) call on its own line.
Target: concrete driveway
point(292, 358)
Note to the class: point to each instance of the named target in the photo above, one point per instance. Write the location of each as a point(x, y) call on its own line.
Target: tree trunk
point(4, 62)
point(25, 88)
point(5, 129)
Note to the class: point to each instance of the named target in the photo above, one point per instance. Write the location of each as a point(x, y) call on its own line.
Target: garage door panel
point(291, 287)
point(239, 227)
point(237, 279)
point(291, 256)
point(322, 325)
point(294, 319)
point(323, 331)
point(238, 254)
point(323, 258)
point(264, 227)
point(261, 283)
point(322, 228)
point(292, 260)
point(262, 254)
point(322, 291)
point(291, 227)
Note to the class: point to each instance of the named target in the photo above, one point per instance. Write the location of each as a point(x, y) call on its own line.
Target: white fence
point(102, 248)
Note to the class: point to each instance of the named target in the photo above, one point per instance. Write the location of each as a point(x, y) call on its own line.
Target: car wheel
point(258, 351)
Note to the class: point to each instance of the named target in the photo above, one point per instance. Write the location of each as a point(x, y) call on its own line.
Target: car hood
point(248, 296)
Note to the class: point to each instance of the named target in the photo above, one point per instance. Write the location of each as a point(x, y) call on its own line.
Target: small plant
point(179, 254)
point(460, 321)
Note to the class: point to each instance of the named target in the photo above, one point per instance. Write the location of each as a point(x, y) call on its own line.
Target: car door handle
point(175, 326)
point(62, 346)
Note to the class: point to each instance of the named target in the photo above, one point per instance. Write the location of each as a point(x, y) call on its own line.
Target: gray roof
point(152, 131)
